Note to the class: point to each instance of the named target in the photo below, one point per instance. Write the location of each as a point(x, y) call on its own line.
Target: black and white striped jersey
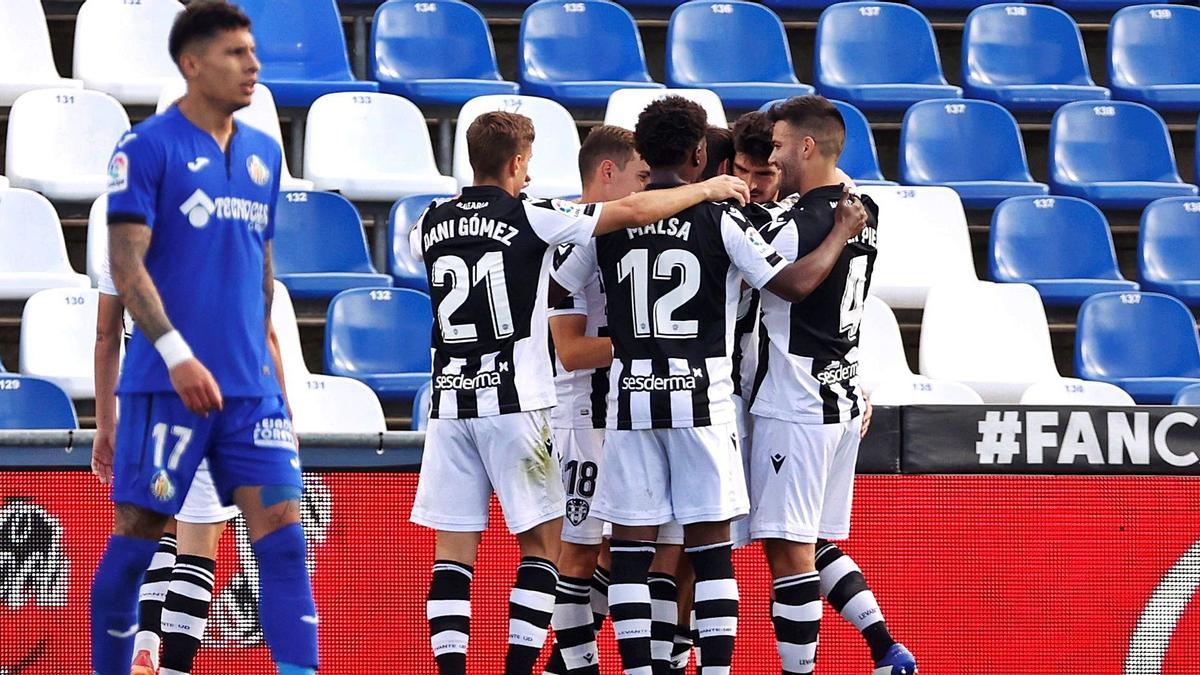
point(582, 394)
point(672, 292)
point(487, 255)
point(808, 363)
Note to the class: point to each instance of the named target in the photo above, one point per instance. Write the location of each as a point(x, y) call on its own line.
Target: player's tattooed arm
point(799, 279)
point(127, 245)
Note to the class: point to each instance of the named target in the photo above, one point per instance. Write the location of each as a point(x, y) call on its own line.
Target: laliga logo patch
point(118, 172)
point(161, 487)
point(570, 208)
point(259, 173)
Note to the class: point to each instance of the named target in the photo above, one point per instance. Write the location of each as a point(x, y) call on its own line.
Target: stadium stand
point(320, 249)
point(561, 60)
point(554, 168)
point(287, 330)
point(991, 337)
point(1068, 391)
point(34, 403)
point(60, 142)
point(1189, 395)
point(625, 105)
point(1152, 56)
point(974, 147)
point(947, 5)
point(737, 49)
point(783, 6)
point(137, 71)
point(406, 270)
point(923, 242)
point(369, 336)
point(329, 404)
point(1085, 6)
point(878, 56)
point(421, 405)
point(1169, 248)
point(1026, 58)
point(302, 49)
point(860, 159)
point(370, 147)
point(1090, 157)
point(880, 346)
point(434, 53)
point(1059, 245)
point(919, 390)
point(26, 59)
point(33, 253)
point(58, 339)
point(1111, 344)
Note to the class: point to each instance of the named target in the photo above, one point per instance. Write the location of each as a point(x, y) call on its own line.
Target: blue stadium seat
point(561, 59)
point(407, 271)
point(319, 248)
point(1112, 344)
point(421, 405)
point(878, 56)
point(33, 403)
point(1026, 58)
point(1189, 396)
point(1169, 248)
point(859, 158)
point(947, 5)
point(1115, 155)
point(435, 52)
point(1094, 5)
point(737, 49)
point(1152, 56)
point(974, 147)
point(797, 5)
point(1059, 245)
point(302, 49)
point(381, 337)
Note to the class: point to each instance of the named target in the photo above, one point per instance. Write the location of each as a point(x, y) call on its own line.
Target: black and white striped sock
point(629, 603)
point(151, 596)
point(681, 649)
point(574, 626)
point(663, 615)
point(530, 606)
point(448, 609)
point(600, 581)
point(185, 611)
point(843, 584)
point(716, 606)
point(796, 614)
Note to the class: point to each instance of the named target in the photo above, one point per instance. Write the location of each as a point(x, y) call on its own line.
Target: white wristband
point(173, 349)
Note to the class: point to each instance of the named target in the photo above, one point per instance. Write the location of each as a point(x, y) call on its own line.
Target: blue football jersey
point(211, 213)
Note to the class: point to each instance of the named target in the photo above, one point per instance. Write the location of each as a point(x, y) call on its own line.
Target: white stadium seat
point(624, 105)
point(1068, 391)
point(26, 61)
point(58, 339)
point(992, 337)
point(923, 241)
point(330, 404)
point(283, 319)
point(880, 346)
point(97, 238)
point(60, 142)
point(3, 183)
point(260, 114)
point(554, 168)
point(33, 254)
point(372, 147)
point(918, 390)
point(120, 48)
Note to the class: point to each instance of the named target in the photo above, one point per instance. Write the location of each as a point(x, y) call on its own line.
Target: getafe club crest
point(161, 487)
point(259, 173)
point(577, 510)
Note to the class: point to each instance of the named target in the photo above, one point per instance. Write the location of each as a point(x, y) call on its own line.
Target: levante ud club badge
point(577, 510)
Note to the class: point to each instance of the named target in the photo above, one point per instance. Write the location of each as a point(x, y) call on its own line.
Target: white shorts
point(690, 475)
point(739, 530)
point(466, 460)
point(802, 479)
point(202, 506)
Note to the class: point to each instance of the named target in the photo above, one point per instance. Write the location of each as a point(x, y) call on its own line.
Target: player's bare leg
point(663, 609)
point(796, 610)
point(716, 593)
point(188, 595)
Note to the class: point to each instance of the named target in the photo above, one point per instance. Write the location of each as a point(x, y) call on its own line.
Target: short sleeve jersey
point(211, 213)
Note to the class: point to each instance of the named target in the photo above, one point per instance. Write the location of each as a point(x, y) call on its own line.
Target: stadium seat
point(1188, 396)
point(625, 105)
point(421, 407)
point(878, 56)
point(135, 72)
point(58, 339)
point(974, 147)
point(918, 390)
point(859, 159)
point(1152, 56)
point(1112, 344)
point(880, 346)
point(560, 59)
point(947, 5)
point(554, 168)
point(324, 404)
point(1090, 155)
point(991, 337)
point(60, 142)
point(434, 53)
point(1094, 6)
point(260, 114)
point(1068, 391)
point(34, 403)
point(380, 336)
point(1169, 248)
point(923, 242)
point(737, 49)
point(1026, 58)
point(1059, 245)
point(407, 271)
point(320, 249)
point(26, 61)
point(370, 147)
point(302, 49)
point(287, 330)
point(3, 183)
point(33, 253)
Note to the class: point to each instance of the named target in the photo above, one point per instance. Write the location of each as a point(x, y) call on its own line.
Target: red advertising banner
point(976, 574)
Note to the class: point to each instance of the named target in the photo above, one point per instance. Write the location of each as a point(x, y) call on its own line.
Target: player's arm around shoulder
point(643, 208)
point(799, 279)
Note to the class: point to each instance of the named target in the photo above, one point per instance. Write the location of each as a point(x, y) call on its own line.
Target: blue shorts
point(160, 444)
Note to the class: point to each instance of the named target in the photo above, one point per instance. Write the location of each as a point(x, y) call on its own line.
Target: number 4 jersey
point(487, 255)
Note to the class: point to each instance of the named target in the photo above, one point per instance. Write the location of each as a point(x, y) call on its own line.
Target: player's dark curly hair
point(752, 137)
point(203, 20)
point(669, 130)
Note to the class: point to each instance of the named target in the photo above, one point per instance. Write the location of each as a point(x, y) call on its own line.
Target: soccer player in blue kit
point(191, 215)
